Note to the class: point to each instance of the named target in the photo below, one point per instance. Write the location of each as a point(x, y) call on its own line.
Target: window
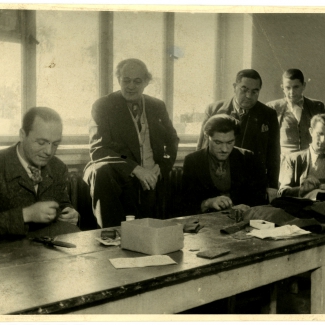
point(10, 71)
point(194, 69)
point(67, 66)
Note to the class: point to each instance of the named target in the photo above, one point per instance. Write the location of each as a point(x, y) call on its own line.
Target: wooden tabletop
point(39, 280)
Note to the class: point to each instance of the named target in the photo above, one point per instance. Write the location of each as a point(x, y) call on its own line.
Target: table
point(41, 280)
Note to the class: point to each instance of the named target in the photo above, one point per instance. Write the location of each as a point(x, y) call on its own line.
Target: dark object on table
point(105, 234)
point(320, 196)
point(192, 226)
point(213, 253)
point(49, 241)
point(234, 228)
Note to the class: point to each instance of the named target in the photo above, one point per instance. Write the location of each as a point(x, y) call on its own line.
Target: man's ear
point(304, 86)
point(234, 85)
point(22, 134)
point(310, 131)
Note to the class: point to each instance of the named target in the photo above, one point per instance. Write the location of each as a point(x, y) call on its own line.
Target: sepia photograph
point(162, 162)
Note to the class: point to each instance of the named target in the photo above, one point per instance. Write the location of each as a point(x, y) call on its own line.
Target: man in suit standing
point(221, 174)
point(259, 125)
point(133, 144)
point(33, 182)
point(294, 112)
point(303, 172)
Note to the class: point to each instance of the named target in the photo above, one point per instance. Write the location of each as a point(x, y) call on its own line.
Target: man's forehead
point(319, 126)
point(291, 81)
point(223, 135)
point(250, 83)
point(133, 69)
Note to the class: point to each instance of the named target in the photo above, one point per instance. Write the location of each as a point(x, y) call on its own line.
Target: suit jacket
point(17, 191)
point(259, 133)
point(294, 170)
point(248, 183)
point(114, 136)
point(311, 107)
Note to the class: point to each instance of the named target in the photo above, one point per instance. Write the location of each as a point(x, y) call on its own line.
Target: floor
point(293, 297)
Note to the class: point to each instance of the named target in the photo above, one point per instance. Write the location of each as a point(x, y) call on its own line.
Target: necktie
point(221, 171)
point(297, 110)
point(136, 111)
point(241, 113)
point(36, 175)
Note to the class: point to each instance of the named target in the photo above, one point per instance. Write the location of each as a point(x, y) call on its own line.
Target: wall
point(283, 41)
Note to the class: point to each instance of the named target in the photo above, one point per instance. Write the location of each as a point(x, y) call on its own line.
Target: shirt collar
point(300, 103)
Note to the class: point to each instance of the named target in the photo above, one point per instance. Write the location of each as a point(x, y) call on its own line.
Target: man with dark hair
point(259, 125)
point(294, 112)
point(33, 193)
point(303, 172)
point(133, 146)
point(216, 177)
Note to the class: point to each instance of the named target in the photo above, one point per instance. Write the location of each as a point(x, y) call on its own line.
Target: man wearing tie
point(259, 125)
point(222, 175)
point(294, 112)
point(133, 145)
point(303, 173)
point(33, 193)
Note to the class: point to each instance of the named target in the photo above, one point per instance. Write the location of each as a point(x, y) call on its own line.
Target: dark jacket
point(248, 184)
point(114, 136)
point(259, 133)
point(17, 191)
point(294, 169)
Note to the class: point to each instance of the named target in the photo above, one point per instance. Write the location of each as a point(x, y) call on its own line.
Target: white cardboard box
point(152, 236)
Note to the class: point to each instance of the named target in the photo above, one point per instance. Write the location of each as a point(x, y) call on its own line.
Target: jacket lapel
point(203, 169)
point(15, 171)
point(128, 131)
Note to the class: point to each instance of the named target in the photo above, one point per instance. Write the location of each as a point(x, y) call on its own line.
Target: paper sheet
point(279, 232)
point(153, 260)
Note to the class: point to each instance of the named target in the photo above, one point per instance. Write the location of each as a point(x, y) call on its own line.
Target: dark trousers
point(114, 196)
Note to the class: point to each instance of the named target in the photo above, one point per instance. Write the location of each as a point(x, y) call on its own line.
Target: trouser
point(114, 196)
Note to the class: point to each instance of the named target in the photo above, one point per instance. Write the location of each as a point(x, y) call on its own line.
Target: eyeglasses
point(127, 81)
point(253, 92)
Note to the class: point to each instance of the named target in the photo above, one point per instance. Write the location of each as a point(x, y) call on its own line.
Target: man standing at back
point(133, 144)
point(259, 125)
point(294, 112)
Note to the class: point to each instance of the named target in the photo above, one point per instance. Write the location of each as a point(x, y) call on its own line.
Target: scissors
point(49, 241)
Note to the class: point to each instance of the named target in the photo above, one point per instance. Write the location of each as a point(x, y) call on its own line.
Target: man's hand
point(308, 184)
point(147, 177)
point(219, 203)
point(69, 215)
point(41, 212)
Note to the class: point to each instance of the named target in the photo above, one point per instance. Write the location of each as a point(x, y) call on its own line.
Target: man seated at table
point(303, 173)
point(33, 193)
point(221, 175)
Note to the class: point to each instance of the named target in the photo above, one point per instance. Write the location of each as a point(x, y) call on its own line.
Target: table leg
point(318, 291)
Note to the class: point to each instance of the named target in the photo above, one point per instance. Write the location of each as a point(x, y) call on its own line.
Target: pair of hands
point(219, 203)
point(47, 211)
point(309, 184)
point(147, 177)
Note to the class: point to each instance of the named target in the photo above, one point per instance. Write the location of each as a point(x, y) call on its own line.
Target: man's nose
point(248, 94)
point(224, 147)
point(48, 148)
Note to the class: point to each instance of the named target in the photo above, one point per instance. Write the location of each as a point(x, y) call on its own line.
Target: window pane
point(10, 88)
point(140, 35)
point(67, 60)
point(195, 38)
